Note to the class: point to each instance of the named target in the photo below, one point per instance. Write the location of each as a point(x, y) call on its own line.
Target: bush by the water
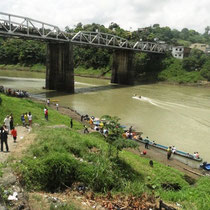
point(174, 72)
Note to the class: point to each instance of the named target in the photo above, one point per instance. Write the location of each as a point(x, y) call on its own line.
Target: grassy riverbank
point(34, 68)
point(79, 71)
point(60, 157)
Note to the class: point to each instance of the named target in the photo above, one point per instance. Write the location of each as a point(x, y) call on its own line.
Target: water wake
point(149, 100)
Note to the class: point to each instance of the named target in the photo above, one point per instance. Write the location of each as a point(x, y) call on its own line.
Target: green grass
point(35, 68)
point(92, 72)
point(18, 106)
point(1, 166)
point(175, 73)
point(38, 68)
point(42, 69)
point(69, 206)
point(63, 156)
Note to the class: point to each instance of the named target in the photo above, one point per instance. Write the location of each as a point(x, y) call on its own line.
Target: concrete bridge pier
point(60, 70)
point(122, 67)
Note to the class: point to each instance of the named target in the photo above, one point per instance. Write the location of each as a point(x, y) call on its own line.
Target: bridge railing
point(110, 40)
point(14, 25)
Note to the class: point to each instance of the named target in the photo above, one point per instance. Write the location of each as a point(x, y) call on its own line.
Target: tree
point(113, 26)
point(205, 71)
point(195, 60)
point(156, 25)
point(114, 137)
point(184, 34)
point(207, 29)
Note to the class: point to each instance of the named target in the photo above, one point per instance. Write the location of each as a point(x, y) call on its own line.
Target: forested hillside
point(194, 68)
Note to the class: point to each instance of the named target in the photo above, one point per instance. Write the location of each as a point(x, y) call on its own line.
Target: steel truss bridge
point(18, 26)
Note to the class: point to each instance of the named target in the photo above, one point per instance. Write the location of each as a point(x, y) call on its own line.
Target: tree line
point(30, 52)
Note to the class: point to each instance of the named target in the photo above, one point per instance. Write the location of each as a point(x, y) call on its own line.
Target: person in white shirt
point(48, 102)
point(30, 118)
point(7, 122)
point(173, 149)
point(57, 106)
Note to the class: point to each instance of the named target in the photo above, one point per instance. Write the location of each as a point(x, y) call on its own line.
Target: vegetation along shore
point(54, 158)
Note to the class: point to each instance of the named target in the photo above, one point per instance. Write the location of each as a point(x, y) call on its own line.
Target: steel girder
point(13, 25)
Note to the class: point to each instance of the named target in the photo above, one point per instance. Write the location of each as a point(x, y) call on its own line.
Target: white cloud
point(192, 14)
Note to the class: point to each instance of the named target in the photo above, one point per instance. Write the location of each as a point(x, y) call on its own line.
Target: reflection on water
point(170, 115)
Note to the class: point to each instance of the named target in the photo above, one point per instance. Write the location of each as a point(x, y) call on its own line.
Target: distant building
point(180, 52)
point(200, 46)
point(208, 50)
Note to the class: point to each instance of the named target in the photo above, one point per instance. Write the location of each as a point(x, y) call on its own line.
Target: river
point(168, 114)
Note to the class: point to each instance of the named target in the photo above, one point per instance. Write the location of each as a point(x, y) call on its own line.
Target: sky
point(129, 14)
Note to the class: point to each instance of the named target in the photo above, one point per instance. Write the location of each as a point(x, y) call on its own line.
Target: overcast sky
point(129, 14)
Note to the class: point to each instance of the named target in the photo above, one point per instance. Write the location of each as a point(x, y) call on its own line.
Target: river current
point(170, 115)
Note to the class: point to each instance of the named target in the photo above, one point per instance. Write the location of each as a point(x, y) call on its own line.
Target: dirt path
point(9, 182)
point(14, 147)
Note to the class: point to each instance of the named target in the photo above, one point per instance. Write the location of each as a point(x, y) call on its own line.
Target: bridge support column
point(60, 70)
point(122, 67)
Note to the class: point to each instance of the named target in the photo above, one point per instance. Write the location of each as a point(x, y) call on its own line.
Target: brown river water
point(168, 114)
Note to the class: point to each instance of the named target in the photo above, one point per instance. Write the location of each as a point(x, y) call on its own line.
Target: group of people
point(196, 155)
point(6, 129)
point(95, 124)
point(26, 119)
point(14, 92)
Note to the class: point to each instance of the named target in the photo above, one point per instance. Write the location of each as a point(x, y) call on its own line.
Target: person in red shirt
point(14, 134)
point(46, 113)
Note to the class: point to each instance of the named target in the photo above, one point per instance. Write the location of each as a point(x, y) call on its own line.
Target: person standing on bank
point(86, 129)
point(71, 123)
point(46, 114)
point(11, 121)
point(4, 136)
point(7, 122)
point(48, 102)
point(146, 143)
point(169, 152)
point(14, 134)
point(30, 119)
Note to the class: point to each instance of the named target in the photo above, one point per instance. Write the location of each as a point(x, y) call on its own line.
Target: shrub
point(205, 71)
point(50, 173)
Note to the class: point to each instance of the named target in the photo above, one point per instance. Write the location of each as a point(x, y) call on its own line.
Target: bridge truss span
point(13, 25)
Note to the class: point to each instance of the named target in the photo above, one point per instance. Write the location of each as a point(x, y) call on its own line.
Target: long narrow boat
point(179, 155)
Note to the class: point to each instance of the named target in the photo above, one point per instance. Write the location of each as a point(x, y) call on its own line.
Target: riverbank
point(198, 84)
point(79, 71)
point(151, 152)
point(54, 142)
point(37, 71)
